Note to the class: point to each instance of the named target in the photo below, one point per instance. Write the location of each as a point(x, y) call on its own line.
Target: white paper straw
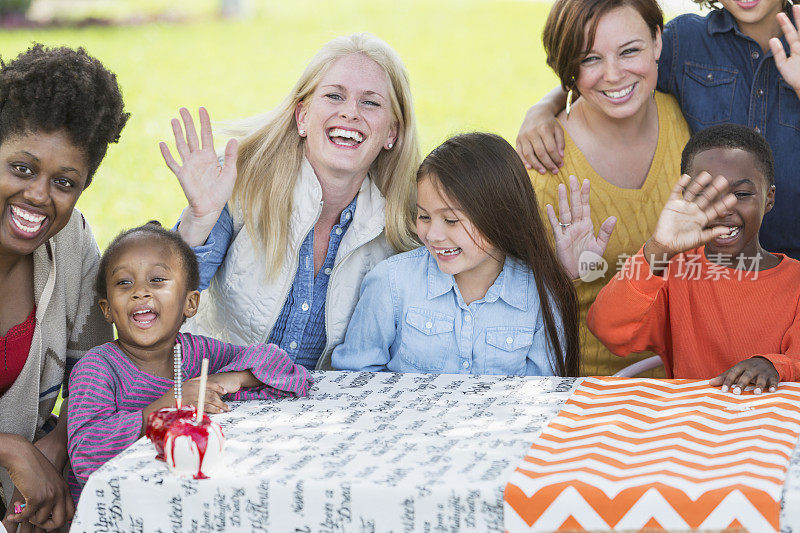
point(201, 396)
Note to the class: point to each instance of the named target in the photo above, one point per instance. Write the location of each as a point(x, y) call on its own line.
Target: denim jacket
point(411, 318)
point(719, 75)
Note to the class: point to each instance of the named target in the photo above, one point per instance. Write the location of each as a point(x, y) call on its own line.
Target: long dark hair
point(483, 174)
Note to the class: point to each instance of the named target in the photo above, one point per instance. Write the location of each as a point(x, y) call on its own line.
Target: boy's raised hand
point(756, 371)
point(205, 181)
point(684, 222)
point(789, 67)
point(573, 228)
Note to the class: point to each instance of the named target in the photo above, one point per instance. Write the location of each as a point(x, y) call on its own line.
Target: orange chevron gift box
point(631, 454)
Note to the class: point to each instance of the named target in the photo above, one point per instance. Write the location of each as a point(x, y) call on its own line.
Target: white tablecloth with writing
point(365, 452)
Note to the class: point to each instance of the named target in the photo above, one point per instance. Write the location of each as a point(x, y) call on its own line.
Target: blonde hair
point(271, 153)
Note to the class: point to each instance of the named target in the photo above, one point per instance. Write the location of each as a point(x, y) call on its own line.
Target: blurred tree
point(12, 10)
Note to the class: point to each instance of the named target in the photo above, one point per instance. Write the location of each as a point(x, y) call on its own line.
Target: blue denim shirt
point(411, 318)
point(719, 75)
point(300, 328)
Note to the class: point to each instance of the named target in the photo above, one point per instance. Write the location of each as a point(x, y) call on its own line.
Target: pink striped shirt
point(108, 393)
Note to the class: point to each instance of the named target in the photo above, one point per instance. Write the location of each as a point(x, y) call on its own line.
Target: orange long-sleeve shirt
point(702, 318)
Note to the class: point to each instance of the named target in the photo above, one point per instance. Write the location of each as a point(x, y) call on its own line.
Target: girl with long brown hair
point(486, 293)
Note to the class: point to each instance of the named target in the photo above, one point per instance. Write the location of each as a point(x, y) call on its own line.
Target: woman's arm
point(211, 253)
point(573, 230)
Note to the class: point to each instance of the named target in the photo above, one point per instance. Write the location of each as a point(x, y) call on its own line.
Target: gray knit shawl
point(68, 323)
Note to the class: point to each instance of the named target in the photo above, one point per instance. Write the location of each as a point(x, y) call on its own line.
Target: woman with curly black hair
point(59, 110)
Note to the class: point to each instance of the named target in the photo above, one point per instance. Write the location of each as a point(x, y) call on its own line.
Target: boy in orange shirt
point(702, 292)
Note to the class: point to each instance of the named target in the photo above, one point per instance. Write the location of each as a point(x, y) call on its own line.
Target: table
point(365, 452)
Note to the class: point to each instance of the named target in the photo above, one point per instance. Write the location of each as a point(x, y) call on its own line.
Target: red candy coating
point(160, 421)
point(198, 432)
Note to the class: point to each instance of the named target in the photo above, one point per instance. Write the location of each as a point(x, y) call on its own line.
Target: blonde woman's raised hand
point(573, 228)
point(789, 67)
point(206, 182)
point(688, 218)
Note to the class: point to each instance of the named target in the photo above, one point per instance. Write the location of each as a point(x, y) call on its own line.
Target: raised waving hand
point(789, 67)
point(573, 228)
point(685, 222)
point(206, 182)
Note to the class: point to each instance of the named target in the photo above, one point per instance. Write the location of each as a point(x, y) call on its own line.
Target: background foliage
point(474, 65)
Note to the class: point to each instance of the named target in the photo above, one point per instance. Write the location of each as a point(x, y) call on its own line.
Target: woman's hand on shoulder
point(685, 222)
point(206, 182)
point(48, 503)
point(789, 67)
point(540, 141)
point(573, 228)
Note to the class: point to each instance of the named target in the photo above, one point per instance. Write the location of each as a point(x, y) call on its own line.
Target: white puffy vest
point(241, 305)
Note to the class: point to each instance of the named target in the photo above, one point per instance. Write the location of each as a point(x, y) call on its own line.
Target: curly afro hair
point(734, 137)
point(55, 89)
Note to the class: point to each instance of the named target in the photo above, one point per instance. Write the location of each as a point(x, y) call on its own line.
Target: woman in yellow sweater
point(622, 136)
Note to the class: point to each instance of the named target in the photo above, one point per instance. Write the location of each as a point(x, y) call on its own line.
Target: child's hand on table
point(232, 382)
point(756, 371)
point(788, 67)
point(214, 393)
point(684, 221)
point(191, 388)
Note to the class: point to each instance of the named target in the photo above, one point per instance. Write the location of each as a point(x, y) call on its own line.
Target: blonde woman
point(309, 198)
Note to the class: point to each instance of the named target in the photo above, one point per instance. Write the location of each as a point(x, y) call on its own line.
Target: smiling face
point(754, 198)
point(618, 75)
point(348, 119)
point(42, 176)
point(447, 233)
point(146, 295)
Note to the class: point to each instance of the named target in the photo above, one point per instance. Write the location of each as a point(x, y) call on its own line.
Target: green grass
point(474, 65)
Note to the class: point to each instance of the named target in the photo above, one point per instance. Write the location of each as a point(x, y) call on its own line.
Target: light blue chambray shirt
point(411, 318)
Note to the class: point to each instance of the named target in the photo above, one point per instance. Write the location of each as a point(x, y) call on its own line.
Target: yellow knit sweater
point(636, 210)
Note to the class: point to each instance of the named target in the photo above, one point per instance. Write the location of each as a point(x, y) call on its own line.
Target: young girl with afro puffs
point(147, 282)
point(59, 110)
